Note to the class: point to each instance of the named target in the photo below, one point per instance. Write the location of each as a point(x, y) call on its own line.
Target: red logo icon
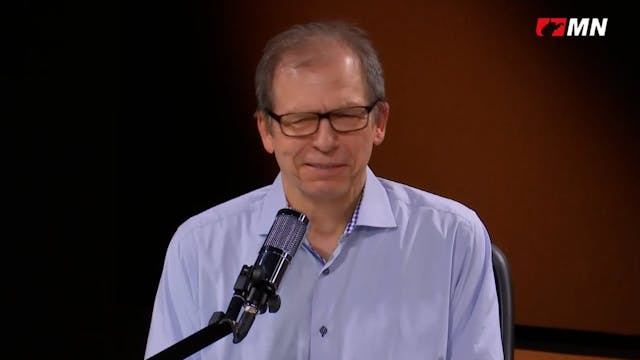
point(551, 26)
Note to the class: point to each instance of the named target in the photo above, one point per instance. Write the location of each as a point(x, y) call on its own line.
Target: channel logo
point(584, 27)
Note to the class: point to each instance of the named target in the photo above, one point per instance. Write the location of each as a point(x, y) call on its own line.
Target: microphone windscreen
point(287, 231)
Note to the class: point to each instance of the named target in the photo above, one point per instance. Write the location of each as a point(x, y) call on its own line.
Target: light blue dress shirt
point(413, 280)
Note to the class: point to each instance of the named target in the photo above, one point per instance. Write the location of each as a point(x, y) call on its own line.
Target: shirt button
point(326, 271)
point(323, 330)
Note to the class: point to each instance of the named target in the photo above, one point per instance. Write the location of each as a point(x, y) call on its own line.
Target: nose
point(325, 139)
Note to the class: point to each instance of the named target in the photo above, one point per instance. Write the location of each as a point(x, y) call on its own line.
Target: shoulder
point(238, 207)
point(444, 221)
point(418, 201)
point(216, 238)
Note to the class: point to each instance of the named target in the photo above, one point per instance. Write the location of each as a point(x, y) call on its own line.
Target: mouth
point(324, 166)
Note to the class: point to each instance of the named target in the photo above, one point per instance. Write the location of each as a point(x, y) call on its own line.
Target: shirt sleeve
point(474, 331)
point(175, 310)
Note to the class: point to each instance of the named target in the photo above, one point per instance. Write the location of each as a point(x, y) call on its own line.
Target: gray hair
point(350, 35)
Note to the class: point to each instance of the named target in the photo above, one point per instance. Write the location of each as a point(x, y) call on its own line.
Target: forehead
point(324, 71)
point(316, 51)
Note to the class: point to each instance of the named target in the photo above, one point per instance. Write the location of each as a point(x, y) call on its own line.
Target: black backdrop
point(129, 129)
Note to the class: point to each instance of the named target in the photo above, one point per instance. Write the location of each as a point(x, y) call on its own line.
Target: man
point(385, 271)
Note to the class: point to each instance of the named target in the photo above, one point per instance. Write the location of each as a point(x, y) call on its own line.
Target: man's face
point(325, 165)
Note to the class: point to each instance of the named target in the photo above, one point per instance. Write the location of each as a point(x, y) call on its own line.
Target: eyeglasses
point(343, 120)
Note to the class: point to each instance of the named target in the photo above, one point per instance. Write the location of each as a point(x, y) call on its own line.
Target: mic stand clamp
point(253, 294)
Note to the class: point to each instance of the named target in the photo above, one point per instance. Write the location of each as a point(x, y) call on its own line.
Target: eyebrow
point(346, 105)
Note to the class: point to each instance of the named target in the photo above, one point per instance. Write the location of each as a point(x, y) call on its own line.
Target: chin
point(325, 190)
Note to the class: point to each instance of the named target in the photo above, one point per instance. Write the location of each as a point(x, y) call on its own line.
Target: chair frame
point(504, 289)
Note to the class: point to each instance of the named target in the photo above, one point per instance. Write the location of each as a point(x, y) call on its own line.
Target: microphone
point(256, 286)
point(254, 290)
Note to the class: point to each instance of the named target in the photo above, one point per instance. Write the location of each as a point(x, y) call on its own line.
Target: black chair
point(502, 273)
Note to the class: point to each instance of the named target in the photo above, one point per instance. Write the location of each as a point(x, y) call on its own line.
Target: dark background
point(138, 115)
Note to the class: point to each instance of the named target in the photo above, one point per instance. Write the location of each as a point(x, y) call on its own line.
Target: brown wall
point(537, 135)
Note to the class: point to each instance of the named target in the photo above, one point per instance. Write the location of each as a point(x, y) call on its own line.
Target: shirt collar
point(273, 201)
point(374, 209)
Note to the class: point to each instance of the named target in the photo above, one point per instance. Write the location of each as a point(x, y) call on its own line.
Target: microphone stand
point(196, 341)
point(253, 293)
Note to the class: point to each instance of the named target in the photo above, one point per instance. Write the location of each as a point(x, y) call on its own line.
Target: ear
point(380, 125)
point(265, 133)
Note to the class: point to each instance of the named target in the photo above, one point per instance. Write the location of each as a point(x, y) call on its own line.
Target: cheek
point(363, 147)
point(288, 153)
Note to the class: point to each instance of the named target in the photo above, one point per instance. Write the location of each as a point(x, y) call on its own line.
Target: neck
point(327, 217)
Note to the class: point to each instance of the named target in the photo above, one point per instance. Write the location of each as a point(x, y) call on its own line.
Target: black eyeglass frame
point(324, 115)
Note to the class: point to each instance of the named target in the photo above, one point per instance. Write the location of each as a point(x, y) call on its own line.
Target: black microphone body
point(255, 289)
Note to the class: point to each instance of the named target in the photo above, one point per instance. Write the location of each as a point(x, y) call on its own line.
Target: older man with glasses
point(385, 270)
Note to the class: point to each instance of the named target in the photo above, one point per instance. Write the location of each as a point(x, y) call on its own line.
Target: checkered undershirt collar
point(354, 218)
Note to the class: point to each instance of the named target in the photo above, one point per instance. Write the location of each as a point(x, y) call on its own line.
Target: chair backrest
point(504, 287)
